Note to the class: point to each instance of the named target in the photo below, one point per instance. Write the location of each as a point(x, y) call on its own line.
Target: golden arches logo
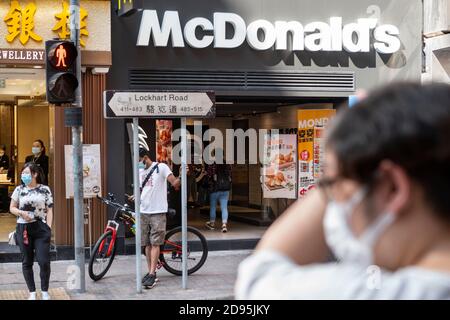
point(124, 2)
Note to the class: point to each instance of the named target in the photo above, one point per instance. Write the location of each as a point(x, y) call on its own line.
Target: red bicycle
point(171, 251)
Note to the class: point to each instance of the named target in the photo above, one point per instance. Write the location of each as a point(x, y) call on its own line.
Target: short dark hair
point(144, 152)
point(34, 168)
point(407, 123)
point(2, 147)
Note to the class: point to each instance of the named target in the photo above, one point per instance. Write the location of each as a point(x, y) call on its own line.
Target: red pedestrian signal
point(61, 54)
point(61, 76)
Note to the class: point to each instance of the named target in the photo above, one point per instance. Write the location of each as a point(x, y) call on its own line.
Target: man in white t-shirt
point(154, 207)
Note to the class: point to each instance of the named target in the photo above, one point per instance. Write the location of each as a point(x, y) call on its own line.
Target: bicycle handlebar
point(116, 205)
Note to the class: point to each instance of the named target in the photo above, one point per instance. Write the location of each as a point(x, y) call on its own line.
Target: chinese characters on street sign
point(127, 104)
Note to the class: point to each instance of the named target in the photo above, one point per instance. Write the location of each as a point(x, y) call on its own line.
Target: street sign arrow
point(160, 104)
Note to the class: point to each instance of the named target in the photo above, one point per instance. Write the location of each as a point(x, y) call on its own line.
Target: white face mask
point(340, 238)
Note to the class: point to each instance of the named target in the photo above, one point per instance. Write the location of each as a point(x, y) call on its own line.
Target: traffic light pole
point(78, 152)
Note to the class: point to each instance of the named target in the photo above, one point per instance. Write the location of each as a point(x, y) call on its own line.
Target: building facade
point(24, 113)
point(265, 61)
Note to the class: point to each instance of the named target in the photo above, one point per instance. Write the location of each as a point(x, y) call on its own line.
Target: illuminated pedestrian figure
point(61, 55)
point(21, 22)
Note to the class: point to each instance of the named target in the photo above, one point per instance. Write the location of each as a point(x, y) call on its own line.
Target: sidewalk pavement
point(215, 280)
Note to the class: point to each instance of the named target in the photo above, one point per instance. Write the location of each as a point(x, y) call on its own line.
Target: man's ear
point(400, 192)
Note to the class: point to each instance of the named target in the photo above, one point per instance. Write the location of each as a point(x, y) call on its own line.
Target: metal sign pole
point(184, 201)
point(137, 202)
point(182, 104)
point(78, 152)
point(90, 226)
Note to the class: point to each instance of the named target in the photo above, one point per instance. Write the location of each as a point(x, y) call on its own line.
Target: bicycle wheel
point(171, 255)
point(99, 263)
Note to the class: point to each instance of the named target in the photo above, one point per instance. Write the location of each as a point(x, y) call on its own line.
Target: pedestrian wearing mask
point(40, 158)
point(32, 203)
point(382, 209)
point(154, 207)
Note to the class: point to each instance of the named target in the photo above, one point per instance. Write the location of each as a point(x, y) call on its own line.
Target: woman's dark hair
point(42, 146)
point(3, 147)
point(34, 168)
point(406, 123)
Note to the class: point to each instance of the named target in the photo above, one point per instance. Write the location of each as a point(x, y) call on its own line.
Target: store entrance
point(25, 117)
point(250, 211)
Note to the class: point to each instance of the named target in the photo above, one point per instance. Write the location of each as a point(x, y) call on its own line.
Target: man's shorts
point(153, 228)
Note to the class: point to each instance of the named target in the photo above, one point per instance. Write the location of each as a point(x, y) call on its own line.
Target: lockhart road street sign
point(161, 104)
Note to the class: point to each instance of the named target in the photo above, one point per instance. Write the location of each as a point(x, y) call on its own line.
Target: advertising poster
point(279, 179)
point(164, 142)
point(311, 125)
point(92, 171)
point(319, 152)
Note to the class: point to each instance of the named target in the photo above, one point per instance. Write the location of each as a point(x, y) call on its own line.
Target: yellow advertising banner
point(311, 123)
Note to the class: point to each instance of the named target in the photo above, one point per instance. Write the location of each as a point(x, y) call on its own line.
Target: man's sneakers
point(32, 296)
point(145, 277)
point(149, 281)
point(210, 225)
point(224, 228)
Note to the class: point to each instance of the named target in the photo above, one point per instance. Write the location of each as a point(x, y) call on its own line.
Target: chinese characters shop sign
point(20, 22)
point(310, 146)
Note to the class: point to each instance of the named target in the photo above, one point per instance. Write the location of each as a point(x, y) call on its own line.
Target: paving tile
point(215, 280)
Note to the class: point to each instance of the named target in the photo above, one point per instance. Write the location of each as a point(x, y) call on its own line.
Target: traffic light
point(61, 71)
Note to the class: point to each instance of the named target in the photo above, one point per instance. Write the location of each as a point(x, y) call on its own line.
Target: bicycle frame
point(171, 250)
point(178, 247)
point(112, 226)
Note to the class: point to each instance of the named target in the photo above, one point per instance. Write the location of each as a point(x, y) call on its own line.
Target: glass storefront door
point(25, 117)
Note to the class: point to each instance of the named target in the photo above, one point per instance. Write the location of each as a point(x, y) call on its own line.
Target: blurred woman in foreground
point(382, 209)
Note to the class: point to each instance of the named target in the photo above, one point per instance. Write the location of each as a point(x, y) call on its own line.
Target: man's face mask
point(141, 164)
point(340, 238)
